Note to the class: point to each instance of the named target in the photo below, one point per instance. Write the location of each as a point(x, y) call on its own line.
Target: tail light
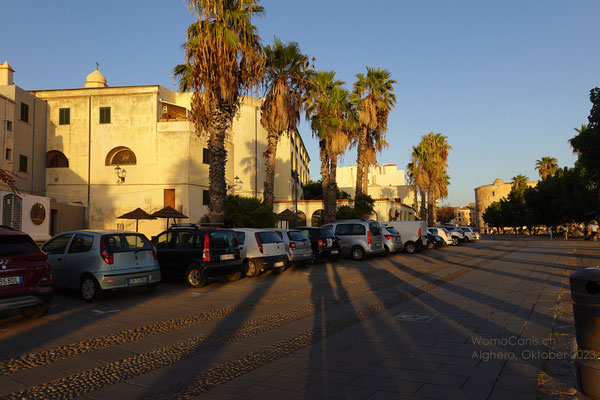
point(206, 251)
point(258, 242)
point(38, 257)
point(153, 252)
point(292, 245)
point(47, 279)
point(369, 237)
point(388, 237)
point(322, 243)
point(108, 257)
point(419, 232)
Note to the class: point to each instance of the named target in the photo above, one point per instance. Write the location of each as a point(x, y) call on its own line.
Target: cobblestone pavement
point(470, 322)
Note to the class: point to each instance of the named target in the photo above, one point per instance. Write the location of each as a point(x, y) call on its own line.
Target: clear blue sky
point(506, 81)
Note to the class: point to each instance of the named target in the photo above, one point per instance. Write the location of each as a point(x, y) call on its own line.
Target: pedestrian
point(550, 232)
point(594, 230)
point(565, 231)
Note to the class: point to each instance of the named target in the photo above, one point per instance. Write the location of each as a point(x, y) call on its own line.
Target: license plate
point(329, 242)
point(11, 280)
point(227, 256)
point(137, 281)
point(279, 264)
point(334, 251)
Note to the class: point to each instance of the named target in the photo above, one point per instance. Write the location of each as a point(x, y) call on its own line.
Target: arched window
point(121, 156)
point(56, 159)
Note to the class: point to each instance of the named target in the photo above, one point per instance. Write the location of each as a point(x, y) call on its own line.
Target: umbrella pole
point(136, 224)
point(167, 222)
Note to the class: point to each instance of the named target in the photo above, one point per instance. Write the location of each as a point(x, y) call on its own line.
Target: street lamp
point(120, 172)
point(237, 183)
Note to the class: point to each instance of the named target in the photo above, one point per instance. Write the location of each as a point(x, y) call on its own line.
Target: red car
point(25, 276)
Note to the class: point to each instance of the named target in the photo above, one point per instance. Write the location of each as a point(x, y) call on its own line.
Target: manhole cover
point(414, 317)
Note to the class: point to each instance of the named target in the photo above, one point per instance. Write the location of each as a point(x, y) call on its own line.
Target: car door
point(78, 259)
point(343, 231)
point(163, 245)
point(184, 249)
point(56, 249)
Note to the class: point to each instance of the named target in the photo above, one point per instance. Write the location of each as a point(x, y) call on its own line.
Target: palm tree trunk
point(366, 178)
point(360, 161)
point(332, 204)
point(269, 154)
point(423, 211)
point(416, 204)
point(324, 174)
point(221, 121)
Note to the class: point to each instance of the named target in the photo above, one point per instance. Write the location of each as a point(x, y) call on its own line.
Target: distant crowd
point(587, 230)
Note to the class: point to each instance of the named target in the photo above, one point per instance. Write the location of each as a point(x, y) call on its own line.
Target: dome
point(95, 80)
point(498, 181)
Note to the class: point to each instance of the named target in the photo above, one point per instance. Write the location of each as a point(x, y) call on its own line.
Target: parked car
point(470, 234)
point(441, 232)
point(198, 253)
point(413, 233)
point(360, 238)
point(93, 261)
point(458, 236)
point(297, 245)
point(262, 250)
point(434, 241)
point(392, 240)
point(25, 276)
point(324, 243)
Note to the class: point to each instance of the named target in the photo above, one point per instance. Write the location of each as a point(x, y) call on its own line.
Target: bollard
point(585, 293)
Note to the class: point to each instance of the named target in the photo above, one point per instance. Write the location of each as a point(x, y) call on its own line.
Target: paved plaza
point(484, 320)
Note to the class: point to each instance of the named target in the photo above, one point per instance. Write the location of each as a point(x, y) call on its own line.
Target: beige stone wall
point(487, 194)
point(169, 154)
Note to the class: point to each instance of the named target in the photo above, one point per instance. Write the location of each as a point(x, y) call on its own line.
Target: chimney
point(6, 74)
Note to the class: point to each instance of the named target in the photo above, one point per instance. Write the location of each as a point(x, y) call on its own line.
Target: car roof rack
point(198, 225)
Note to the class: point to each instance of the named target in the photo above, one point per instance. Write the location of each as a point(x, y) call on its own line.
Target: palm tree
point(285, 82)
point(324, 101)
point(519, 181)
point(546, 166)
point(374, 96)
point(228, 61)
point(419, 176)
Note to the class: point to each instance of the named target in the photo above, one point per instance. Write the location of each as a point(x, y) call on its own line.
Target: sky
point(507, 82)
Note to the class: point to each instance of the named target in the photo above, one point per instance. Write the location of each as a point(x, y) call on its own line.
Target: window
point(9, 154)
point(9, 126)
point(64, 116)
point(24, 112)
point(22, 163)
point(56, 159)
point(205, 156)
point(105, 115)
point(57, 245)
point(205, 198)
point(241, 237)
point(358, 229)
point(15, 245)
point(342, 230)
point(81, 244)
point(163, 241)
point(184, 240)
point(268, 237)
point(121, 156)
point(374, 228)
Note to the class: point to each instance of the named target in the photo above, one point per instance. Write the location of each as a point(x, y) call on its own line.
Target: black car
point(197, 253)
point(324, 243)
point(435, 241)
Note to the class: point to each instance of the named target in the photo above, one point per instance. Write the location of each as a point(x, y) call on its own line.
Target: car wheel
point(410, 248)
point(358, 253)
point(34, 311)
point(386, 252)
point(454, 241)
point(334, 259)
point(90, 289)
point(234, 276)
point(314, 259)
point(149, 288)
point(252, 269)
point(196, 276)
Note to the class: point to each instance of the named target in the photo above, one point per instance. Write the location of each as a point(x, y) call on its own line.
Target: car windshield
point(326, 233)
point(392, 230)
point(14, 245)
point(295, 235)
point(124, 242)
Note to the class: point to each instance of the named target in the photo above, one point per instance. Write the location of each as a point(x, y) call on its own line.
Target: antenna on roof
point(97, 65)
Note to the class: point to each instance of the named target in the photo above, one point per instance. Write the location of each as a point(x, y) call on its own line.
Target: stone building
point(487, 194)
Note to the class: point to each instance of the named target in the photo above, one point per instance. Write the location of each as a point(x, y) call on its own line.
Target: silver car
point(360, 238)
point(392, 241)
point(96, 260)
point(298, 246)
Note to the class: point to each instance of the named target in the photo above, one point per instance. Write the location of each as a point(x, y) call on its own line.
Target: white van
point(413, 234)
